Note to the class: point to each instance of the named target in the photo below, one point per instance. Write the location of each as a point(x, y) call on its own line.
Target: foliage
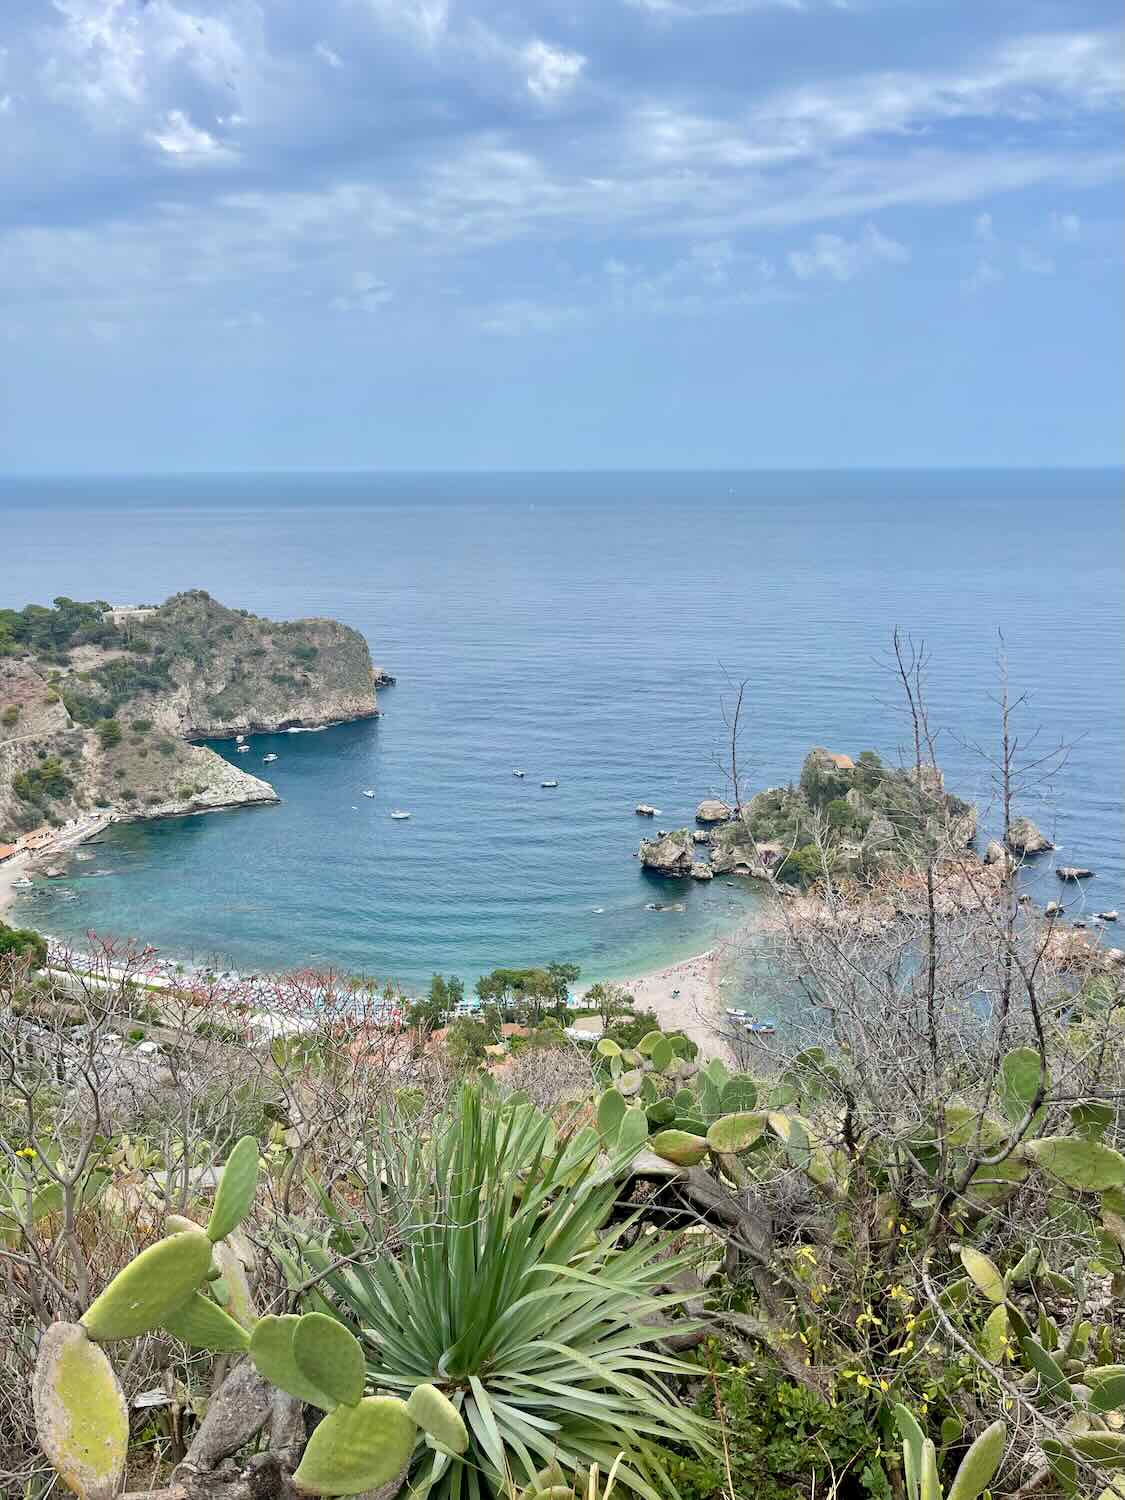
point(48, 779)
point(109, 733)
point(610, 1001)
point(22, 943)
point(52, 631)
point(527, 1309)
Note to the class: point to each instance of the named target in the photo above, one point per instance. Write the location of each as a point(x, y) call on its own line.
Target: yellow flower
point(28, 1152)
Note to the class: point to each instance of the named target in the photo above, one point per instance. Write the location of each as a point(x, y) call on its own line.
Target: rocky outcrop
point(712, 810)
point(1025, 838)
point(645, 810)
point(702, 836)
point(1074, 872)
point(701, 870)
point(735, 852)
point(670, 855)
point(996, 854)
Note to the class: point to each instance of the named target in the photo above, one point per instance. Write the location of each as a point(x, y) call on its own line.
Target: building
point(6, 851)
point(39, 838)
point(841, 762)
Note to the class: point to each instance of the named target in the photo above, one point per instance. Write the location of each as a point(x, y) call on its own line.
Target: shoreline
point(684, 995)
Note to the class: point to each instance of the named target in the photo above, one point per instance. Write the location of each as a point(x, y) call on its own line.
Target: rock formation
point(1025, 838)
point(670, 855)
point(701, 870)
point(1074, 872)
point(712, 810)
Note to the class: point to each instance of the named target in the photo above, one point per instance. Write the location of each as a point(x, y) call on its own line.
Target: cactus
point(204, 1325)
point(610, 1113)
point(680, 1147)
point(271, 1349)
point(436, 1414)
point(232, 1290)
point(366, 1446)
point(919, 1461)
point(1086, 1166)
point(734, 1133)
point(80, 1412)
point(236, 1189)
point(985, 1273)
point(153, 1285)
point(1021, 1074)
point(330, 1357)
point(994, 1334)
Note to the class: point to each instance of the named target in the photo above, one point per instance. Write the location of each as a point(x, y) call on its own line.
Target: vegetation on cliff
point(96, 702)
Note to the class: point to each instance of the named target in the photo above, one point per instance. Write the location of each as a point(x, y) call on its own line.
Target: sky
point(429, 234)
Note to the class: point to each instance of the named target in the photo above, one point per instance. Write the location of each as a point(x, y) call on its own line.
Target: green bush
point(10, 715)
point(141, 726)
point(48, 779)
point(109, 733)
point(22, 942)
point(779, 1435)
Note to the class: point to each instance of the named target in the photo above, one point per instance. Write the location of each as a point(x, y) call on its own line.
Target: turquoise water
point(582, 627)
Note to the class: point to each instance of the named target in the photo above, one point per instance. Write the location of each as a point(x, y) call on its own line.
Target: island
point(100, 706)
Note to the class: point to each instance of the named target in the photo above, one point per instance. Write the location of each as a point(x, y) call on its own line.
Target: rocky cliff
point(97, 704)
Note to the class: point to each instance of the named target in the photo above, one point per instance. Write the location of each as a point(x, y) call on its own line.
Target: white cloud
point(520, 315)
point(180, 138)
point(368, 294)
point(327, 55)
point(551, 71)
point(841, 260)
point(1067, 226)
point(982, 228)
point(1037, 263)
point(984, 275)
point(424, 22)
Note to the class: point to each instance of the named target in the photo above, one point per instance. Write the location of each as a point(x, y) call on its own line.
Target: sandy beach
point(685, 996)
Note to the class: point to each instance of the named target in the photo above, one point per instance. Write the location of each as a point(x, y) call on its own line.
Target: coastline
point(685, 995)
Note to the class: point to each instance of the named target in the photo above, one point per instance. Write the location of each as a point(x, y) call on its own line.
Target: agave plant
point(515, 1297)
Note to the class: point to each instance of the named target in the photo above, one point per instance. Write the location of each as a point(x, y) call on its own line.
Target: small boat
point(369, 791)
point(519, 773)
point(238, 739)
point(399, 815)
point(548, 783)
point(22, 884)
point(1108, 916)
point(269, 757)
point(243, 749)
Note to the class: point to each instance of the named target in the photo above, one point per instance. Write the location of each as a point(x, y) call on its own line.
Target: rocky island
point(99, 706)
point(866, 818)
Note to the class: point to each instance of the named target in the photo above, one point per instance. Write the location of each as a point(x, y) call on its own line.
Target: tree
point(562, 977)
point(610, 1001)
point(22, 943)
point(465, 1042)
point(109, 733)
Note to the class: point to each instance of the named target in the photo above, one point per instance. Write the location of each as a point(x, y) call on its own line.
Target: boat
point(519, 773)
point(238, 739)
point(369, 792)
point(243, 749)
point(548, 783)
point(399, 815)
point(22, 884)
point(269, 757)
point(750, 1023)
point(1108, 916)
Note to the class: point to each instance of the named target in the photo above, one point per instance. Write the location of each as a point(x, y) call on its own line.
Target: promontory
point(99, 704)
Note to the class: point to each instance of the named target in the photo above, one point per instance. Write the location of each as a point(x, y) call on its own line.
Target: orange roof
point(36, 839)
point(7, 850)
point(842, 762)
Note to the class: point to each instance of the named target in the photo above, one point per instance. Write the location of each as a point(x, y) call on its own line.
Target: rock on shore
point(670, 855)
point(1025, 838)
point(712, 810)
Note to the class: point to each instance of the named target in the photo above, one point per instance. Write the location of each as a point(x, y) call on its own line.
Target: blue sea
point(585, 627)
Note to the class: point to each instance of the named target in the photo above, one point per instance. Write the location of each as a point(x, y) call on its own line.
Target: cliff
point(97, 704)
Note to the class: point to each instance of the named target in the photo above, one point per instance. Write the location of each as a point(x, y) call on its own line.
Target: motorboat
point(399, 815)
point(243, 749)
point(269, 757)
point(519, 773)
point(369, 791)
point(238, 739)
point(548, 783)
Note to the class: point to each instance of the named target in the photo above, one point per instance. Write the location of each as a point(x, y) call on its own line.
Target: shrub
point(141, 726)
point(48, 779)
point(10, 715)
point(22, 942)
point(109, 733)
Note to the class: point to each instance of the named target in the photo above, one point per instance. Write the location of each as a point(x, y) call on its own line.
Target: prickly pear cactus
point(367, 1446)
point(436, 1414)
point(80, 1412)
point(236, 1189)
point(150, 1287)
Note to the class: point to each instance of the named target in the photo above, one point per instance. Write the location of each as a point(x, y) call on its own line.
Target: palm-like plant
point(511, 1292)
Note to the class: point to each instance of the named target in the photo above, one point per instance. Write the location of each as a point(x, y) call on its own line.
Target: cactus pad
point(362, 1447)
point(236, 1297)
point(648, 1042)
point(611, 1109)
point(607, 1047)
point(1020, 1074)
point(271, 1349)
point(437, 1415)
point(633, 1131)
point(329, 1356)
point(1086, 1166)
point(680, 1147)
point(985, 1273)
point(80, 1412)
point(159, 1280)
point(630, 1083)
point(236, 1188)
point(740, 1095)
point(979, 1464)
point(204, 1325)
point(733, 1133)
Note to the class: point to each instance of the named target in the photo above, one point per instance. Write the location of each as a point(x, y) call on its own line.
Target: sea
point(588, 628)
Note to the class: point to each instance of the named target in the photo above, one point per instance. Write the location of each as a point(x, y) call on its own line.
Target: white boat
point(519, 773)
point(548, 783)
point(269, 757)
point(370, 792)
point(238, 739)
point(22, 884)
point(398, 815)
point(243, 749)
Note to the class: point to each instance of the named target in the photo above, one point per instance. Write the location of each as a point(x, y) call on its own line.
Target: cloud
point(982, 228)
point(178, 137)
point(327, 55)
point(1067, 226)
point(983, 275)
point(424, 22)
point(551, 71)
point(839, 259)
point(368, 294)
point(520, 316)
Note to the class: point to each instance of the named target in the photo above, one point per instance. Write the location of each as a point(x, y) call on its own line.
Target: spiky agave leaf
point(527, 1305)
